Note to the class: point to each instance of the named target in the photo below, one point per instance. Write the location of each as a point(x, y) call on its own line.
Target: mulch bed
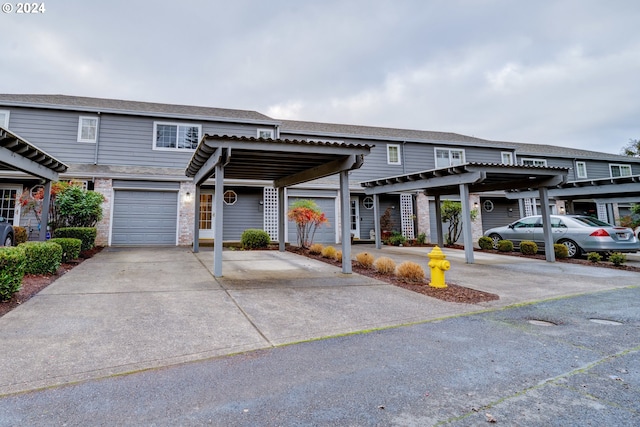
point(34, 283)
point(452, 293)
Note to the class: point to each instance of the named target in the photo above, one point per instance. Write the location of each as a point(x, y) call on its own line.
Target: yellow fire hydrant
point(438, 265)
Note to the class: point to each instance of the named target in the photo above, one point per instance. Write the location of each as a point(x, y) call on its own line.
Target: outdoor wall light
point(187, 196)
point(475, 205)
point(561, 210)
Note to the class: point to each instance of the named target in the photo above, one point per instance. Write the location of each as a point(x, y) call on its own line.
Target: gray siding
point(501, 215)
point(245, 213)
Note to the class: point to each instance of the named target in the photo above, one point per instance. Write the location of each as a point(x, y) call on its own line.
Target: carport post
point(376, 220)
point(44, 220)
point(466, 223)
point(196, 222)
point(439, 234)
point(219, 203)
point(345, 211)
point(282, 215)
point(549, 252)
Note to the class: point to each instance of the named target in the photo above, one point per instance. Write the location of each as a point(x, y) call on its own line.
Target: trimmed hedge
point(505, 245)
point(42, 257)
point(528, 247)
point(12, 266)
point(70, 247)
point(485, 243)
point(560, 250)
point(253, 238)
point(86, 234)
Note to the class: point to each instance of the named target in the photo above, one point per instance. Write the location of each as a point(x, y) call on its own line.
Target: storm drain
point(605, 321)
point(541, 322)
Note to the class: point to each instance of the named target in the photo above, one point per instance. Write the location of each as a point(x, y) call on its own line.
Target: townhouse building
point(135, 154)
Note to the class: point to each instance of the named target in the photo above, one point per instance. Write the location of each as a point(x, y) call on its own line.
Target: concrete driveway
point(132, 309)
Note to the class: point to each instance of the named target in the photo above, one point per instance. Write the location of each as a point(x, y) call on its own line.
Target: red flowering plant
point(31, 200)
point(308, 217)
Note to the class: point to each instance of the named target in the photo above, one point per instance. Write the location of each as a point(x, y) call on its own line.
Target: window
point(507, 158)
point(531, 222)
point(581, 169)
point(87, 129)
point(265, 133)
point(368, 202)
point(534, 162)
point(230, 197)
point(8, 203)
point(172, 136)
point(620, 170)
point(393, 154)
point(4, 119)
point(488, 206)
point(446, 157)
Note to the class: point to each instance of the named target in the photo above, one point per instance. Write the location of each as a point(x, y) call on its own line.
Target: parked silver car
point(6, 232)
point(580, 234)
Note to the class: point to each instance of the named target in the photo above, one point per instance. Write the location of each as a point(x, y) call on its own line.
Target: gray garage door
point(144, 217)
point(325, 234)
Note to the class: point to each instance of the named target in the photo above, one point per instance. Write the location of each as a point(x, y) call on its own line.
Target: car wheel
point(495, 238)
point(572, 247)
point(8, 241)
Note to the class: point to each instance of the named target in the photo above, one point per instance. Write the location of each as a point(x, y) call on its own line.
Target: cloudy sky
point(563, 72)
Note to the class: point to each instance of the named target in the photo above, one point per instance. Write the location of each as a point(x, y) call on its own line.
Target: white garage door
point(144, 217)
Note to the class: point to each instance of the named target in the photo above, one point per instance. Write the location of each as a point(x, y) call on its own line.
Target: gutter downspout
point(95, 157)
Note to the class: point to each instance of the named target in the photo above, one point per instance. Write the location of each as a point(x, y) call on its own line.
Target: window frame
point(534, 160)
point(509, 154)
point(229, 202)
point(581, 174)
point(270, 131)
point(620, 166)
point(389, 161)
point(81, 126)
point(6, 113)
point(177, 125)
point(367, 202)
point(449, 151)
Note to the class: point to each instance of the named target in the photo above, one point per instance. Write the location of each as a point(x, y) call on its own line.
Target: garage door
point(325, 234)
point(144, 217)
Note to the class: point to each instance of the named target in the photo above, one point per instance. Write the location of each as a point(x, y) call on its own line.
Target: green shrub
point(617, 258)
point(328, 252)
point(485, 243)
point(505, 245)
point(12, 266)
point(254, 238)
point(594, 257)
point(528, 248)
point(20, 235)
point(397, 239)
point(560, 250)
point(70, 247)
point(42, 257)
point(86, 234)
point(422, 238)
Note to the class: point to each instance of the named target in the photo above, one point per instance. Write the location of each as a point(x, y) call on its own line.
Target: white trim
point(5, 124)
point(508, 154)
point(271, 133)
point(449, 151)
point(177, 125)
point(620, 166)
point(224, 197)
point(17, 212)
point(533, 160)
point(397, 147)
point(406, 215)
point(80, 126)
point(581, 174)
point(356, 222)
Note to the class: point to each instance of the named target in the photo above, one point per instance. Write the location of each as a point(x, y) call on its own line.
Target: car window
point(528, 223)
point(592, 222)
point(557, 223)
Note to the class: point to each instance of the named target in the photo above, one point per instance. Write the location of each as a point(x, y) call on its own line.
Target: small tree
point(31, 200)
point(632, 149)
point(452, 213)
point(308, 217)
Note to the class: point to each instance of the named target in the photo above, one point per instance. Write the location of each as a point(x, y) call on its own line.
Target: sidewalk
point(132, 309)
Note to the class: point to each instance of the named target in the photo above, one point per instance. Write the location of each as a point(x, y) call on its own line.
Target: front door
point(206, 215)
point(354, 216)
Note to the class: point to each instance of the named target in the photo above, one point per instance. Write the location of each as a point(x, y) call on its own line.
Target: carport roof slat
point(30, 159)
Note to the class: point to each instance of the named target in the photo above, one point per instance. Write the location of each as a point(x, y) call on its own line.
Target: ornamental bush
point(42, 257)
point(338, 256)
point(20, 235)
point(560, 250)
point(70, 247)
point(253, 238)
point(485, 243)
point(397, 239)
point(365, 259)
point(410, 271)
point(328, 252)
point(528, 247)
point(12, 265)
point(384, 265)
point(86, 234)
point(316, 249)
point(594, 257)
point(422, 239)
point(617, 258)
point(505, 245)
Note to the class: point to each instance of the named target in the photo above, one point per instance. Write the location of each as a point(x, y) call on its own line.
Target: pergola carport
point(17, 154)
point(472, 178)
point(284, 163)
